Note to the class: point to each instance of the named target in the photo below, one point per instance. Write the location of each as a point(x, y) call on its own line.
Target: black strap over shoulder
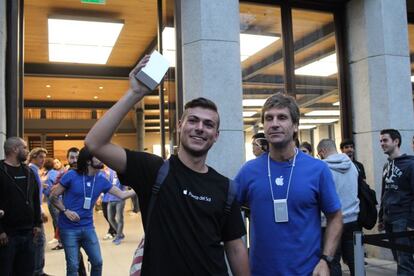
point(161, 175)
point(231, 194)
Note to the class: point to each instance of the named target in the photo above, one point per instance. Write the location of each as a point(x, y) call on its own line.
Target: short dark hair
point(347, 142)
point(10, 143)
point(203, 103)
point(307, 146)
point(84, 156)
point(261, 140)
point(72, 149)
point(394, 134)
point(48, 164)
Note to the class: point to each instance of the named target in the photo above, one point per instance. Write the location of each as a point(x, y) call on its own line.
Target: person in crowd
point(345, 176)
point(116, 209)
point(259, 144)
point(286, 191)
point(81, 188)
point(57, 164)
point(50, 175)
point(36, 160)
point(21, 222)
point(306, 147)
point(192, 200)
point(347, 146)
point(111, 233)
point(397, 200)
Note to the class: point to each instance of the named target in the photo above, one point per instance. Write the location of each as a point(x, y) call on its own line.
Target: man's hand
point(321, 269)
point(136, 86)
point(3, 239)
point(72, 216)
point(44, 217)
point(36, 232)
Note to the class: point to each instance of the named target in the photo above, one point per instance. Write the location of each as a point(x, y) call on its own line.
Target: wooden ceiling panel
point(140, 19)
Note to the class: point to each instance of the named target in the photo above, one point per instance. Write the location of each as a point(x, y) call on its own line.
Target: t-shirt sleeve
point(65, 181)
point(106, 184)
point(329, 198)
point(233, 227)
point(241, 187)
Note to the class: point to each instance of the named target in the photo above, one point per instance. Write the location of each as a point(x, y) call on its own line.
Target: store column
point(380, 86)
point(2, 75)
point(211, 69)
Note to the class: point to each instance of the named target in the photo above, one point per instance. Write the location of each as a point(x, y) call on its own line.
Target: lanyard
point(290, 175)
point(84, 189)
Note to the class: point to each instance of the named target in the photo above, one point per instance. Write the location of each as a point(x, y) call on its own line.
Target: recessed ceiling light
point(323, 67)
point(318, 121)
point(66, 135)
point(249, 113)
point(254, 102)
point(250, 44)
point(323, 113)
point(100, 87)
point(81, 40)
point(95, 97)
point(306, 126)
point(48, 96)
point(47, 85)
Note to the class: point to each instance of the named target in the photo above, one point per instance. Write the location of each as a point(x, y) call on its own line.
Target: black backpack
point(368, 213)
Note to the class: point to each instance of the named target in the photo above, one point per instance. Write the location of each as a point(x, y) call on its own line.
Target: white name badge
point(87, 203)
point(281, 210)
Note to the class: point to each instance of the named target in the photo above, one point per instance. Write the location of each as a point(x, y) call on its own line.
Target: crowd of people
point(303, 210)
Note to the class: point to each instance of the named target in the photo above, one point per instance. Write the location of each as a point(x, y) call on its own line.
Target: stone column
point(380, 84)
point(2, 75)
point(211, 69)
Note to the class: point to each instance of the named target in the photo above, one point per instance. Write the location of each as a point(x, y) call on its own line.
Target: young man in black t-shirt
point(188, 222)
point(21, 223)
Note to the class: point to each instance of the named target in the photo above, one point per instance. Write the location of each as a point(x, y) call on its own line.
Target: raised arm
point(99, 137)
point(121, 194)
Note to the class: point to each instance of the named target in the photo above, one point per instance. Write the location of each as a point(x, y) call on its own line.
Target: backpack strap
point(231, 194)
point(161, 175)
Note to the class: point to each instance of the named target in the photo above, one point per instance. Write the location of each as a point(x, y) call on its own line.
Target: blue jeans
point(17, 256)
point(116, 216)
point(405, 261)
point(73, 240)
point(39, 245)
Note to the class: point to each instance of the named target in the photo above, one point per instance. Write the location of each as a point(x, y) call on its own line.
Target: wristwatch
point(64, 210)
point(327, 259)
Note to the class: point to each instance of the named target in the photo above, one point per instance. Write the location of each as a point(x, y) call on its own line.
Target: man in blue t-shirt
point(286, 191)
point(81, 188)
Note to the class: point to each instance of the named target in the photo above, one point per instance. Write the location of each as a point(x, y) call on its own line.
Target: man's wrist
point(64, 210)
point(327, 259)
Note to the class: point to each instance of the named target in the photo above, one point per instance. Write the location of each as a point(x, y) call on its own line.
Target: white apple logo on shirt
point(279, 181)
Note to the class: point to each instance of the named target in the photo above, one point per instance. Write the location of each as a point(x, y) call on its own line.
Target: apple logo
point(279, 181)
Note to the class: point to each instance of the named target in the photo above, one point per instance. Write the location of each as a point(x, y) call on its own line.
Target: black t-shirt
point(188, 221)
point(20, 177)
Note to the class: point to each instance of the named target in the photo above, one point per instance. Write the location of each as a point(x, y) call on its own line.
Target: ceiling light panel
point(318, 121)
point(254, 102)
point(306, 126)
point(323, 67)
point(81, 41)
point(323, 113)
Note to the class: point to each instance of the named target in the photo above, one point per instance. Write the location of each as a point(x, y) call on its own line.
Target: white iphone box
point(152, 74)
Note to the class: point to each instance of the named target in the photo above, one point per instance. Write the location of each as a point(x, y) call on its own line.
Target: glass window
point(261, 55)
point(316, 75)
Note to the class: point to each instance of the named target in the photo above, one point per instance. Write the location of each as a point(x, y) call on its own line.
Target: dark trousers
point(17, 256)
point(111, 230)
point(405, 261)
point(345, 249)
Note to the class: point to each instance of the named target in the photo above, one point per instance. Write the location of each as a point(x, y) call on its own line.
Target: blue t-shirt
point(74, 197)
point(294, 247)
point(51, 178)
point(113, 178)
